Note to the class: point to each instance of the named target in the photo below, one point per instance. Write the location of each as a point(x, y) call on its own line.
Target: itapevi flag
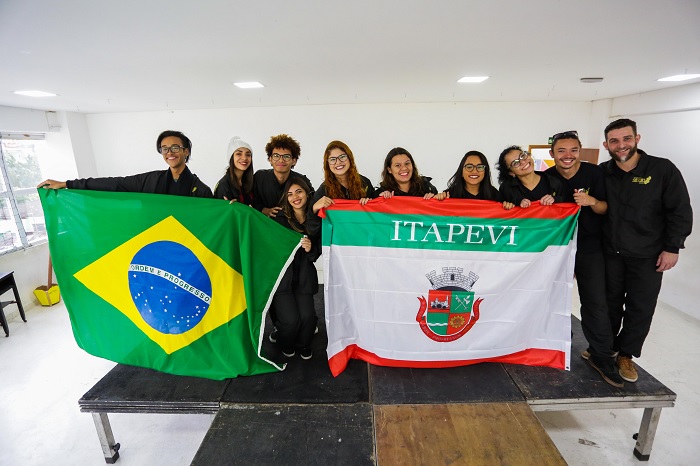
point(411, 282)
point(177, 284)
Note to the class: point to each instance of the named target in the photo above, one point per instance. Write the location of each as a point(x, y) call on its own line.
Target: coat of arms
point(450, 310)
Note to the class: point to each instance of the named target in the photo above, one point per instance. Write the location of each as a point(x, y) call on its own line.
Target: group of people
point(635, 216)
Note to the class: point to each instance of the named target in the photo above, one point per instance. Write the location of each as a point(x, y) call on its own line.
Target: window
point(21, 217)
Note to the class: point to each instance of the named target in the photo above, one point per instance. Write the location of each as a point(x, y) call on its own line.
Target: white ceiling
point(128, 55)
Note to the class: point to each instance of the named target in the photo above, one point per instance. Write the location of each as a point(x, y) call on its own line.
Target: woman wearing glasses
point(341, 178)
point(295, 316)
point(178, 180)
point(237, 183)
point(521, 184)
point(472, 180)
point(401, 178)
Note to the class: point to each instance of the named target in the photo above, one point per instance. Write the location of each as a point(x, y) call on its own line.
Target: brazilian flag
point(176, 284)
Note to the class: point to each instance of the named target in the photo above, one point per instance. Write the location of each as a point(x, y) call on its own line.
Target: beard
point(630, 154)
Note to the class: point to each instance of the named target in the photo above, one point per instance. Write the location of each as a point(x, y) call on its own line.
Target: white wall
point(437, 135)
point(669, 124)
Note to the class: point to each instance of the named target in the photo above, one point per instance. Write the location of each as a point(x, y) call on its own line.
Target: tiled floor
point(43, 374)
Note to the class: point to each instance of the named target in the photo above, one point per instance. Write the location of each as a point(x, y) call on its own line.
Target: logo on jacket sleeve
point(450, 310)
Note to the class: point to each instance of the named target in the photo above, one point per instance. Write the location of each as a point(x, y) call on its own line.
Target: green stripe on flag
point(410, 231)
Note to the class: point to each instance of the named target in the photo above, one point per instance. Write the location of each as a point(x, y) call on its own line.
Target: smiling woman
point(342, 180)
point(401, 178)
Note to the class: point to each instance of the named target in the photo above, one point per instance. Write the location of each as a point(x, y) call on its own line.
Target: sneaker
point(587, 354)
point(606, 368)
point(627, 369)
point(306, 353)
point(289, 352)
point(273, 336)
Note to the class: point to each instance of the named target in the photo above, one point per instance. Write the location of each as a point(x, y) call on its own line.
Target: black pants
point(295, 318)
point(633, 286)
point(595, 318)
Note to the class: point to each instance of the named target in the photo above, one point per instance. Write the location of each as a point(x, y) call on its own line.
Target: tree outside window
point(21, 217)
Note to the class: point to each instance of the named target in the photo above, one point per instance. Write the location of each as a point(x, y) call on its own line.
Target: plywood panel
point(461, 434)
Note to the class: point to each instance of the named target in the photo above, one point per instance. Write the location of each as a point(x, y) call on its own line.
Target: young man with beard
point(585, 186)
point(283, 152)
point(649, 217)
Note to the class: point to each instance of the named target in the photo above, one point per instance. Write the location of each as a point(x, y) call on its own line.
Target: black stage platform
point(304, 415)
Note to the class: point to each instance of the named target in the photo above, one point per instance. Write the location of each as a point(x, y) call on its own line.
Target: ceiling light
point(35, 93)
point(591, 80)
point(680, 77)
point(249, 85)
point(473, 79)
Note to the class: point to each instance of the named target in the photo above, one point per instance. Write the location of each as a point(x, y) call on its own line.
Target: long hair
point(457, 187)
point(334, 189)
point(245, 186)
point(287, 207)
point(389, 182)
point(503, 169)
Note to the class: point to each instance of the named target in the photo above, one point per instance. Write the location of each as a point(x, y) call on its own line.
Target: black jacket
point(155, 182)
point(513, 191)
point(225, 188)
point(648, 208)
point(426, 185)
point(267, 191)
point(301, 275)
point(366, 183)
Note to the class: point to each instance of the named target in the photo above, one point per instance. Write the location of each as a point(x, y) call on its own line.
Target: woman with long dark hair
point(400, 177)
point(237, 183)
point(472, 180)
point(295, 316)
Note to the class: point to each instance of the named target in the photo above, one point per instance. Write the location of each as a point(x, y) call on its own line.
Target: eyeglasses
point(470, 167)
point(173, 149)
point(564, 135)
point(341, 158)
point(285, 157)
point(523, 155)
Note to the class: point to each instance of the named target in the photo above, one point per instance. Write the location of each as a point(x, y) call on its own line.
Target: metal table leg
point(647, 431)
point(104, 432)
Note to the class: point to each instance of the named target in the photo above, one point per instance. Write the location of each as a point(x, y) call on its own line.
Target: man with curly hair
point(283, 152)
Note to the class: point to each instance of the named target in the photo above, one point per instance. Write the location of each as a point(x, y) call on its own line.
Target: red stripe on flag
point(531, 357)
point(454, 208)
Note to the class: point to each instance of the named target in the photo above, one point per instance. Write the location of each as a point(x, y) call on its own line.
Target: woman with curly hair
point(401, 178)
point(237, 183)
point(521, 184)
point(341, 178)
point(472, 180)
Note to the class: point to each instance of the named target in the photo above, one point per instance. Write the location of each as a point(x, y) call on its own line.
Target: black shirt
point(267, 191)
point(591, 179)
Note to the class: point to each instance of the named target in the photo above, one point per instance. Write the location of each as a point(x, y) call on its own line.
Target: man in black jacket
point(178, 180)
point(585, 186)
point(283, 152)
point(649, 217)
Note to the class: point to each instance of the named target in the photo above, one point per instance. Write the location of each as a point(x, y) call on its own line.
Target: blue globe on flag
point(169, 286)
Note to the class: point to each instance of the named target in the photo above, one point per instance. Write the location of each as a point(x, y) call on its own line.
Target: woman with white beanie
point(237, 183)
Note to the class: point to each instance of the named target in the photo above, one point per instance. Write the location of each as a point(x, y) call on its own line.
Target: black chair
point(7, 283)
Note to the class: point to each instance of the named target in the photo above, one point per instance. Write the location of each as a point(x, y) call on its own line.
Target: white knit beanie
point(236, 143)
